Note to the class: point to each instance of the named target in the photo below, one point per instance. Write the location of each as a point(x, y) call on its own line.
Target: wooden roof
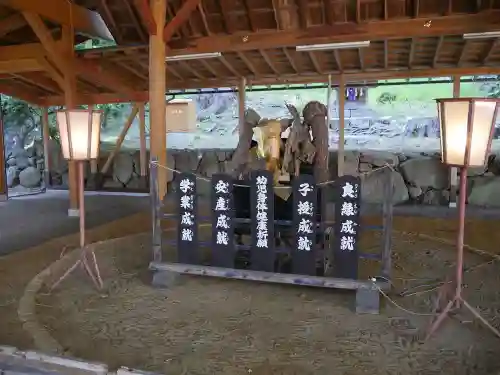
point(257, 39)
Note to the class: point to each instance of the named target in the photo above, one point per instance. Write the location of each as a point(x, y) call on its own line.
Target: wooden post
point(4, 189)
point(94, 162)
point(241, 103)
point(46, 151)
point(340, 149)
point(143, 160)
point(157, 88)
point(454, 170)
point(70, 101)
point(328, 118)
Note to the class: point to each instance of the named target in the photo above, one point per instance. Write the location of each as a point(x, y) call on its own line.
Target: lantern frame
point(470, 130)
point(90, 114)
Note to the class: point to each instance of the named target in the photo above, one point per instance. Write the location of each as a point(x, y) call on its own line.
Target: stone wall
point(418, 179)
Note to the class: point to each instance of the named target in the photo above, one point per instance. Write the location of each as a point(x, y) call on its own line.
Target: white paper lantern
point(80, 131)
point(467, 126)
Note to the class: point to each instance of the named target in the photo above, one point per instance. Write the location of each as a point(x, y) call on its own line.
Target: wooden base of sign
point(366, 296)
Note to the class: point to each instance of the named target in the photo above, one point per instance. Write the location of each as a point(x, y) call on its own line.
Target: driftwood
point(298, 147)
point(241, 155)
point(315, 117)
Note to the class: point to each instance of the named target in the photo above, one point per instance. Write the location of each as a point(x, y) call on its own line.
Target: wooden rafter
point(290, 60)
point(462, 53)
point(147, 18)
point(111, 20)
point(20, 66)
point(358, 11)
point(328, 12)
point(180, 18)
point(139, 96)
point(386, 54)
point(303, 13)
point(11, 89)
point(209, 67)
point(315, 63)
point(39, 81)
point(174, 72)
point(64, 12)
point(416, 8)
point(52, 71)
point(11, 23)
point(393, 29)
point(223, 7)
point(185, 65)
point(248, 10)
point(229, 67)
point(489, 51)
point(269, 62)
point(204, 20)
point(361, 59)
point(338, 61)
point(411, 54)
point(439, 45)
point(135, 21)
point(248, 63)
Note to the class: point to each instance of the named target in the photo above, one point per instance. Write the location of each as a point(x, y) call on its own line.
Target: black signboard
point(262, 215)
point(305, 197)
point(187, 237)
point(222, 221)
point(347, 211)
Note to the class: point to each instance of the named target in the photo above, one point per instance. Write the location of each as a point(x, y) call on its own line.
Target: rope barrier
point(203, 178)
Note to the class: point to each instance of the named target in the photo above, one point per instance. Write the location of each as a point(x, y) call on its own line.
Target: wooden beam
point(20, 66)
point(290, 59)
point(52, 72)
point(315, 63)
point(182, 15)
point(269, 62)
point(22, 51)
point(437, 51)
point(351, 76)
point(48, 43)
point(342, 32)
point(157, 88)
point(11, 23)
point(114, 78)
point(412, 53)
point(40, 81)
point(120, 139)
point(65, 12)
point(147, 18)
point(11, 89)
point(248, 63)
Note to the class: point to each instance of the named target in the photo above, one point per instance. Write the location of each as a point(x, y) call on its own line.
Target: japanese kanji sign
point(262, 215)
point(305, 198)
point(347, 210)
point(222, 221)
point(187, 237)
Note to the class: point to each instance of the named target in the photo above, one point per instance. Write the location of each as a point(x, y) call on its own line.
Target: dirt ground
point(207, 326)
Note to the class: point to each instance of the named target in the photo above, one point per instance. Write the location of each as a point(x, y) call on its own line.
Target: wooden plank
point(147, 18)
point(351, 76)
point(65, 12)
point(342, 32)
point(22, 51)
point(268, 277)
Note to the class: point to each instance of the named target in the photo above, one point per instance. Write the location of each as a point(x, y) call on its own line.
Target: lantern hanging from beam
point(79, 131)
point(467, 126)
